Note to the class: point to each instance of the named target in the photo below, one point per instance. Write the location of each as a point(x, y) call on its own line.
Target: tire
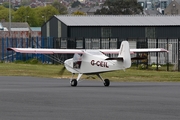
point(106, 82)
point(74, 82)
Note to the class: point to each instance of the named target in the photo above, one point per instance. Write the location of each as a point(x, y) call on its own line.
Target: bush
point(33, 61)
point(30, 61)
point(18, 61)
point(142, 66)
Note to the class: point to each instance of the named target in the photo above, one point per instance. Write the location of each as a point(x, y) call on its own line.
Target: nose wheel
point(106, 82)
point(74, 82)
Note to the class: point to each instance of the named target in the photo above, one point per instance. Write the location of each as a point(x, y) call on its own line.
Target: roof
point(119, 20)
point(71, 10)
point(94, 9)
point(16, 24)
point(35, 28)
point(85, 10)
point(151, 12)
point(19, 29)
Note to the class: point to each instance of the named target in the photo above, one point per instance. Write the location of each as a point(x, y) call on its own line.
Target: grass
point(54, 71)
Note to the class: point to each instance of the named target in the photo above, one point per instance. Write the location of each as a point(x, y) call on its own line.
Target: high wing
point(80, 51)
point(46, 51)
point(132, 51)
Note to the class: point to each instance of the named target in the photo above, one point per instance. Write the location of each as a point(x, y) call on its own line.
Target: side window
point(77, 59)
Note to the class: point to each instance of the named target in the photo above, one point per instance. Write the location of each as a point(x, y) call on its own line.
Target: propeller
point(61, 72)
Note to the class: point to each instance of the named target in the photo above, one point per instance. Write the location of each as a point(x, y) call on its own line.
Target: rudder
point(124, 52)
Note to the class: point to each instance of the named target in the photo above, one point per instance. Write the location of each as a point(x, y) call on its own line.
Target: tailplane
point(124, 53)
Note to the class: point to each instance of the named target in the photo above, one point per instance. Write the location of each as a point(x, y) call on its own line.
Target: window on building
point(150, 32)
point(106, 32)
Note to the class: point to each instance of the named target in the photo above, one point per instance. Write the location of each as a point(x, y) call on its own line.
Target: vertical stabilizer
point(125, 54)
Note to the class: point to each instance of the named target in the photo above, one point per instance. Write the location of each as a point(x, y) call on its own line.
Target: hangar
point(107, 32)
point(112, 26)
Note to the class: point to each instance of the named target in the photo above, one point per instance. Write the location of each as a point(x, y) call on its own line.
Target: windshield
point(95, 52)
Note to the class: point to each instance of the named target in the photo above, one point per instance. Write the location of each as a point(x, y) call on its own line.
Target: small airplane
point(90, 61)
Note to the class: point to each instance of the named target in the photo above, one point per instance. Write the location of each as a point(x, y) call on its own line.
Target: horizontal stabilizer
point(117, 58)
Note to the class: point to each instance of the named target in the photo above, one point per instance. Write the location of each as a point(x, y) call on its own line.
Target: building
point(112, 26)
point(107, 31)
point(15, 30)
point(173, 8)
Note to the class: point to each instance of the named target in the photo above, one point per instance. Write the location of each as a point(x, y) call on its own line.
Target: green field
point(54, 71)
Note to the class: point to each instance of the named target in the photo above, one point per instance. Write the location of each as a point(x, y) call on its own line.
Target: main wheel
point(74, 82)
point(106, 82)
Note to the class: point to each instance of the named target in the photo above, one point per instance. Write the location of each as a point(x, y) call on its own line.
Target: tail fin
point(125, 54)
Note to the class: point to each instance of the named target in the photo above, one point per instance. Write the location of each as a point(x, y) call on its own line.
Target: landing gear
point(106, 82)
point(74, 82)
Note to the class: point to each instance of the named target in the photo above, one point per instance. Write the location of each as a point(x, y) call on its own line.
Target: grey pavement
point(32, 98)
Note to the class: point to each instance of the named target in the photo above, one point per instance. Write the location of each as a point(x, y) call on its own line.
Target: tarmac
point(33, 98)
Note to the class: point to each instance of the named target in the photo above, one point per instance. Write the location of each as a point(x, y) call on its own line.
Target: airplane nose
point(67, 62)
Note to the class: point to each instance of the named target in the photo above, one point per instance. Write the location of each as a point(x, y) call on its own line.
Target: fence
point(171, 44)
point(24, 43)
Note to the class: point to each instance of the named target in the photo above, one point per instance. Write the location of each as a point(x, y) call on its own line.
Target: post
point(178, 54)
point(137, 54)
point(22, 47)
point(167, 54)
point(147, 53)
point(12, 58)
point(16, 47)
point(32, 46)
point(7, 47)
point(27, 47)
point(3, 49)
point(157, 54)
point(42, 46)
point(48, 43)
point(37, 46)
point(10, 18)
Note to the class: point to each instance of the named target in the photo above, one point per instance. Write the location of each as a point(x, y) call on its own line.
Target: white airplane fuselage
point(93, 62)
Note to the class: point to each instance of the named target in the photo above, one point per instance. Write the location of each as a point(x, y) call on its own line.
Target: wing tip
point(9, 48)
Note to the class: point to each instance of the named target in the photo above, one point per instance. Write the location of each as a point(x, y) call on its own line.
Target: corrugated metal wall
point(168, 31)
point(84, 32)
point(122, 32)
point(53, 24)
point(128, 32)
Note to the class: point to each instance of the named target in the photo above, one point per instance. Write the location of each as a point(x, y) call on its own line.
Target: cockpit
point(77, 60)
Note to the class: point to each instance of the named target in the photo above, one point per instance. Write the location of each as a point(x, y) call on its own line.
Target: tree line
point(120, 7)
point(36, 17)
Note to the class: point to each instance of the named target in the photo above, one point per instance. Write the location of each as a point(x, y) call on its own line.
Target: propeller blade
point(61, 72)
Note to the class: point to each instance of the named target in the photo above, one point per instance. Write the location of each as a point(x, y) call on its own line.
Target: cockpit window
point(77, 57)
point(77, 60)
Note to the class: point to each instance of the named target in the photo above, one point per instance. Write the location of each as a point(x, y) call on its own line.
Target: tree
point(25, 2)
point(60, 7)
point(78, 13)
point(34, 16)
point(45, 13)
point(4, 13)
point(25, 14)
point(6, 4)
point(120, 7)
